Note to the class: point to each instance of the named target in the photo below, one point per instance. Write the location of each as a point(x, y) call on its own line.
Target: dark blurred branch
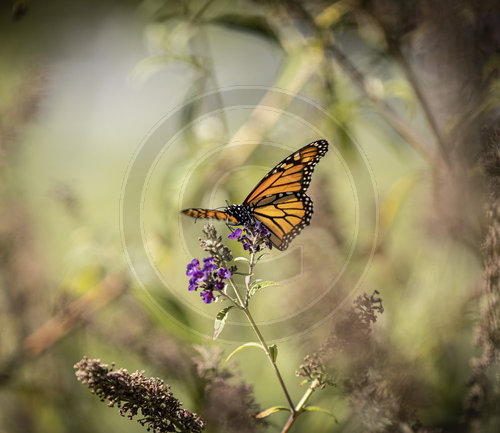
point(402, 127)
point(198, 15)
point(394, 33)
point(15, 116)
point(431, 119)
point(483, 395)
point(19, 9)
point(209, 65)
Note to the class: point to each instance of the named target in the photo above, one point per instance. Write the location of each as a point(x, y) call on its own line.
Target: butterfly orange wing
point(279, 200)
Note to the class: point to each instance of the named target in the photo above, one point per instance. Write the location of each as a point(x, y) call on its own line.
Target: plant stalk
point(244, 307)
point(268, 354)
point(300, 406)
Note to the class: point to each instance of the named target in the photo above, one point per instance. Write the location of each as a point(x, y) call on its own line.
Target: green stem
point(271, 360)
point(245, 309)
point(250, 274)
point(231, 299)
point(300, 406)
point(240, 301)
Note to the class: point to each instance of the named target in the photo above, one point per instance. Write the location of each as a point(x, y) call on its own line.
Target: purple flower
point(253, 236)
point(192, 267)
point(208, 264)
point(261, 230)
point(224, 273)
point(236, 234)
point(207, 279)
point(199, 276)
point(207, 296)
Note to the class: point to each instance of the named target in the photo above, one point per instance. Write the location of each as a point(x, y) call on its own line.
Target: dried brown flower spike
point(161, 411)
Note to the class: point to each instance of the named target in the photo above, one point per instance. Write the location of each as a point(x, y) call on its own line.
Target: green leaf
point(319, 409)
point(220, 321)
point(262, 255)
point(273, 351)
point(255, 287)
point(241, 259)
point(272, 410)
point(244, 346)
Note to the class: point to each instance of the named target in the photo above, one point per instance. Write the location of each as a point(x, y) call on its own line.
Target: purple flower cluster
point(208, 278)
point(254, 237)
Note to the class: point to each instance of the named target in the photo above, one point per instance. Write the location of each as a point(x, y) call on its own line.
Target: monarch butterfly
point(279, 200)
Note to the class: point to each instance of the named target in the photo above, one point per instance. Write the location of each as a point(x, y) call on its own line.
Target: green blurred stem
point(231, 298)
point(239, 303)
point(250, 274)
point(244, 307)
point(300, 406)
point(268, 354)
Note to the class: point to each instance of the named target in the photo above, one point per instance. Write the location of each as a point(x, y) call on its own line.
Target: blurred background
point(115, 115)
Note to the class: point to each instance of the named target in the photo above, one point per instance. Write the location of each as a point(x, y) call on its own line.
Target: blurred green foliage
point(82, 84)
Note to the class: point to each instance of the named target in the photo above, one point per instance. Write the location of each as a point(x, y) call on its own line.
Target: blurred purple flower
point(208, 264)
point(192, 267)
point(208, 279)
point(253, 237)
point(261, 230)
point(207, 296)
point(236, 234)
point(224, 273)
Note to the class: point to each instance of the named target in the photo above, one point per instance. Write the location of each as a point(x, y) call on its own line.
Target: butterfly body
point(242, 213)
point(279, 200)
